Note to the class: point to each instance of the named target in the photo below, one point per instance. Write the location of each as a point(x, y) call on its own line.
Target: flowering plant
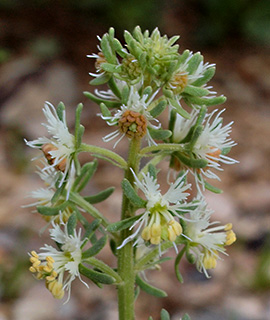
point(146, 78)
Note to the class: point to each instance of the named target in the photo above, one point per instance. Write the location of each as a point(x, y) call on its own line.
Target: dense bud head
point(133, 124)
point(46, 148)
point(131, 67)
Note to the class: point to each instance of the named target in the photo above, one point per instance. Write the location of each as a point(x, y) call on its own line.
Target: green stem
point(167, 147)
point(106, 154)
point(126, 295)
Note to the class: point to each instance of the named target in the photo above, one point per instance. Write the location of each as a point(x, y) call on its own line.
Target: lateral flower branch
point(145, 76)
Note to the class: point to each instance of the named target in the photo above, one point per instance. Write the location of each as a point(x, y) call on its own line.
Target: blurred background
point(43, 48)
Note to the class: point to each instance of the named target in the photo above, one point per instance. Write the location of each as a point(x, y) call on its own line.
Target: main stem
point(125, 254)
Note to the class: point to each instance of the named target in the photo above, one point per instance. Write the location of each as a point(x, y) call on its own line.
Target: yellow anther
point(230, 238)
point(50, 278)
point(32, 269)
point(171, 235)
point(49, 259)
point(34, 254)
point(39, 276)
point(210, 259)
point(56, 289)
point(47, 269)
point(228, 227)
point(179, 82)
point(155, 230)
point(36, 264)
point(146, 235)
point(34, 260)
point(155, 240)
point(177, 228)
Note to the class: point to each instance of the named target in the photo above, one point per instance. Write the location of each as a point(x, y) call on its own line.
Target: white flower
point(136, 110)
point(209, 146)
point(158, 222)
point(60, 148)
point(59, 267)
point(206, 239)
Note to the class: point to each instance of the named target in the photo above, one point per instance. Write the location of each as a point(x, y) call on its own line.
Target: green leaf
point(186, 317)
point(194, 62)
point(113, 86)
point(113, 247)
point(104, 110)
point(96, 276)
point(152, 171)
point(109, 67)
point(192, 163)
point(179, 109)
point(195, 91)
point(207, 76)
point(101, 196)
point(195, 135)
point(159, 108)
point(159, 134)
point(87, 172)
point(205, 101)
point(167, 93)
point(52, 211)
point(211, 188)
point(131, 194)
point(136, 292)
point(91, 228)
point(183, 57)
point(107, 50)
point(102, 79)
point(150, 289)
point(96, 248)
point(71, 224)
point(201, 116)
point(125, 94)
point(122, 225)
point(164, 315)
point(147, 91)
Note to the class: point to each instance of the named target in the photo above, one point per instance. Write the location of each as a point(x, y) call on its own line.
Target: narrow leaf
point(159, 108)
point(122, 225)
point(192, 163)
point(104, 110)
point(208, 75)
point(195, 91)
point(52, 211)
point(179, 109)
point(91, 228)
point(109, 104)
point(150, 289)
point(71, 224)
point(211, 188)
point(186, 317)
point(95, 249)
point(131, 194)
point(102, 79)
point(164, 315)
point(96, 276)
point(60, 110)
point(159, 134)
point(101, 196)
point(87, 172)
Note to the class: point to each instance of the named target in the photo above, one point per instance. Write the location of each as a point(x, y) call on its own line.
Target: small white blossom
point(207, 239)
point(136, 104)
point(59, 267)
point(157, 222)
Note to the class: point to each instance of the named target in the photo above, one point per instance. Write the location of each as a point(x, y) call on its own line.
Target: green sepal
point(107, 49)
point(176, 265)
point(205, 101)
point(164, 315)
point(96, 248)
point(113, 86)
point(125, 94)
point(117, 46)
point(147, 91)
point(60, 111)
point(137, 33)
point(225, 151)
point(95, 276)
point(159, 134)
point(158, 109)
point(190, 257)
point(71, 224)
point(167, 93)
point(91, 228)
point(104, 110)
point(194, 62)
point(201, 116)
point(101, 196)
point(131, 194)
point(150, 289)
point(102, 79)
point(183, 57)
point(195, 91)
point(179, 109)
point(87, 171)
point(58, 193)
point(52, 211)
point(172, 119)
point(122, 225)
point(152, 171)
point(195, 135)
point(109, 67)
point(109, 104)
point(211, 188)
point(207, 76)
point(192, 163)
point(186, 317)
